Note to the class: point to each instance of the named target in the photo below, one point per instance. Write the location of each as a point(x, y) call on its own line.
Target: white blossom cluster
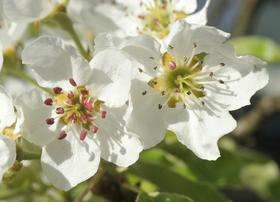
point(148, 66)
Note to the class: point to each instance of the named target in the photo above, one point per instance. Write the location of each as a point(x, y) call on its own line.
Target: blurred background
point(255, 30)
point(249, 167)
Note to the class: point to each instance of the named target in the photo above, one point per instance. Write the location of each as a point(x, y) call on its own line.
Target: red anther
point(89, 106)
point(60, 110)
point(83, 135)
point(172, 65)
point(57, 90)
point(50, 121)
point(62, 135)
point(89, 117)
point(72, 82)
point(70, 95)
point(73, 118)
point(103, 114)
point(83, 118)
point(48, 102)
point(177, 90)
point(94, 129)
point(71, 102)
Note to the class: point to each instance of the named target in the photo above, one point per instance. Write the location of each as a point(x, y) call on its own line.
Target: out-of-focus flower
point(28, 10)
point(190, 88)
point(91, 17)
point(133, 17)
point(10, 33)
point(7, 137)
point(155, 17)
point(84, 118)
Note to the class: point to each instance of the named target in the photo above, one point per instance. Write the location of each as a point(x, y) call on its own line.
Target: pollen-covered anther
point(62, 135)
point(94, 129)
point(72, 82)
point(50, 121)
point(103, 114)
point(73, 118)
point(59, 110)
point(57, 90)
point(89, 106)
point(48, 102)
point(83, 135)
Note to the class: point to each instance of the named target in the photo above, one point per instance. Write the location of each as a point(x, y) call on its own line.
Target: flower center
point(178, 78)
point(77, 107)
point(160, 15)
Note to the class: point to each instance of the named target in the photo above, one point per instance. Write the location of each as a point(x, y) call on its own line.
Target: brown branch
point(248, 124)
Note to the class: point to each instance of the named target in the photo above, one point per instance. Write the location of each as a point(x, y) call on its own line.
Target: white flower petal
point(202, 131)
point(15, 86)
point(119, 68)
point(54, 62)
point(117, 145)
point(87, 13)
point(246, 77)
point(143, 49)
point(8, 154)
point(183, 36)
point(10, 33)
point(200, 17)
point(69, 162)
point(25, 10)
point(146, 119)
point(7, 112)
point(35, 113)
point(188, 6)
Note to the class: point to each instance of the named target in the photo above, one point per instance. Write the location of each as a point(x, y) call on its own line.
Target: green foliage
point(260, 47)
point(155, 167)
point(162, 197)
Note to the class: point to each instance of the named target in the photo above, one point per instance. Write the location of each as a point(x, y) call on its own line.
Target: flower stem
point(66, 24)
point(24, 155)
point(22, 75)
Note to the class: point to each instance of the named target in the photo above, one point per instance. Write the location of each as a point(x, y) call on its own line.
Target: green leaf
point(260, 47)
point(152, 167)
point(162, 197)
point(236, 168)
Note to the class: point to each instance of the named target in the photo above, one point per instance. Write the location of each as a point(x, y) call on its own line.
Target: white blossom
point(7, 143)
point(84, 119)
point(156, 17)
point(190, 87)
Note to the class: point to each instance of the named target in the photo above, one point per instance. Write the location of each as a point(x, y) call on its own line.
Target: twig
point(248, 124)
